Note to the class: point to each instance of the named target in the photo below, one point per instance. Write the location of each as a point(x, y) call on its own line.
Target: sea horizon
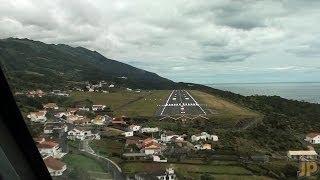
point(301, 91)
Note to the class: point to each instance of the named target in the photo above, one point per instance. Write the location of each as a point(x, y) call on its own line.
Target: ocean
point(309, 92)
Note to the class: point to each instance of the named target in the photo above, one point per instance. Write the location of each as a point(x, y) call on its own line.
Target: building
point(36, 93)
point(148, 141)
point(170, 136)
point(60, 114)
point(39, 116)
point(99, 120)
point(98, 107)
point(204, 136)
point(51, 127)
point(149, 129)
point(50, 148)
point(161, 175)
point(158, 159)
point(82, 134)
point(54, 166)
point(313, 138)
point(203, 147)
point(134, 128)
point(83, 121)
point(118, 120)
point(50, 106)
point(303, 155)
point(128, 134)
point(72, 111)
point(152, 148)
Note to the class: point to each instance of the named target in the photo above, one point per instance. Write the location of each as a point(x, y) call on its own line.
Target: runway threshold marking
point(164, 107)
point(197, 104)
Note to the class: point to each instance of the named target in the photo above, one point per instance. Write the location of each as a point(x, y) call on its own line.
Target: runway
point(180, 102)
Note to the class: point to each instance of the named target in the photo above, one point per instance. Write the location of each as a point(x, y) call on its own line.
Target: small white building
point(98, 107)
point(149, 129)
point(111, 86)
point(134, 128)
point(128, 134)
point(204, 136)
point(60, 114)
point(158, 159)
point(50, 148)
point(313, 138)
point(170, 136)
point(39, 116)
point(49, 128)
point(303, 155)
point(80, 134)
point(54, 166)
point(152, 148)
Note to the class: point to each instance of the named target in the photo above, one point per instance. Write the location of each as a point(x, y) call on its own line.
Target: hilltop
point(30, 64)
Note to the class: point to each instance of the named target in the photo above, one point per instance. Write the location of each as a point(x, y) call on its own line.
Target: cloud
point(178, 39)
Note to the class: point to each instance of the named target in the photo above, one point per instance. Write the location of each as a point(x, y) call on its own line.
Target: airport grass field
point(146, 103)
point(127, 103)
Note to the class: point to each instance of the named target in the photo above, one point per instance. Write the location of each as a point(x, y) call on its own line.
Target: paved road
point(180, 102)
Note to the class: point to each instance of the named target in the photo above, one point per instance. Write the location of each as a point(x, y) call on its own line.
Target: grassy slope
point(146, 106)
point(227, 113)
point(82, 162)
point(235, 171)
point(127, 103)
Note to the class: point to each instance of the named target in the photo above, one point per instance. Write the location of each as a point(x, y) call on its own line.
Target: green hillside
point(30, 64)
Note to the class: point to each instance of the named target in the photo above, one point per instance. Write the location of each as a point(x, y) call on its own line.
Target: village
point(140, 143)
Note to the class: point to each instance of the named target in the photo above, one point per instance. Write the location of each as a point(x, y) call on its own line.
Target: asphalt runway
point(180, 102)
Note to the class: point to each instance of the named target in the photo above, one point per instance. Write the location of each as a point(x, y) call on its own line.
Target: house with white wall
point(134, 128)
point(149, 129)
point(50, 148)
point(170, 136)
point(39, 116)
point(128, 134)
point(204, 136)
point(313, 138)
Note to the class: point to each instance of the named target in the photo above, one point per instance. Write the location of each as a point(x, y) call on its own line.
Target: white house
point(54, 166)
point(98, 107)
point(39, 116)
point(50, 127)
point(111, 86)
point(152, 148)
point(50, 148)
point(149, 129)
point(60, 114)
point(313, 138)
point(128, 134)
point(158, 159)
point(203, 147)
point(303, 155)
point(204, 136)
point(161, 175)
point(78, 133)
point(169, 136)
point(134, 128)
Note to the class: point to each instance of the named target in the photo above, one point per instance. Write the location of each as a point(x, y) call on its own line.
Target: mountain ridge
point(25, 59)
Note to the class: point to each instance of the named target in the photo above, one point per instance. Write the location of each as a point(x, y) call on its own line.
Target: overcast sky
point(213, 41)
